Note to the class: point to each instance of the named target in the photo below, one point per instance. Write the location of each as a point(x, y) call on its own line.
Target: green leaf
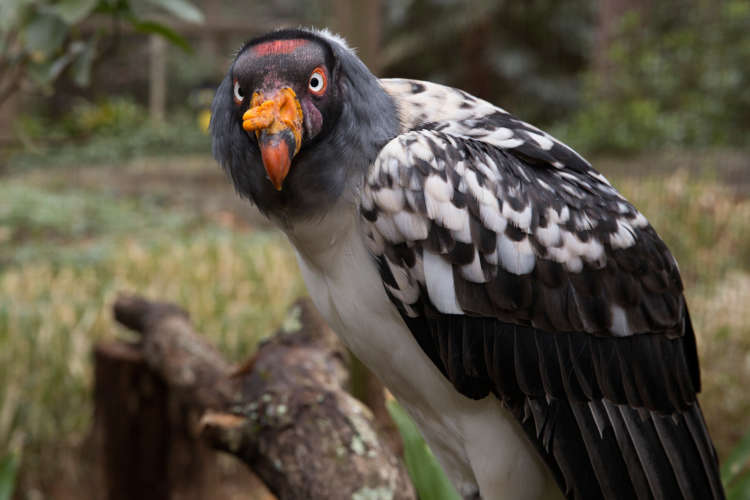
point(58, 66)
point(181, 9)
point(426, 474)
point(80, 70)
point(44, 35)
point(41, 72)
point(738, 462)
point(11, 13)
point(46, 72)
point(8, 473)
point(73, 11)
point(152, 27)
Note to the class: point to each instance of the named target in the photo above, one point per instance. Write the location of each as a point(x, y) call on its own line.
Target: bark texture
point(285, 412)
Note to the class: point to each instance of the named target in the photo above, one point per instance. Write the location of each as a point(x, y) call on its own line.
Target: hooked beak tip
point(277, 155)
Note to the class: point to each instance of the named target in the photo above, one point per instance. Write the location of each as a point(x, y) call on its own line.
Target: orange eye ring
point(318, 82)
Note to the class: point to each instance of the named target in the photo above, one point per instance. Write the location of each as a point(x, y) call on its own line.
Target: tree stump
point(131, 399)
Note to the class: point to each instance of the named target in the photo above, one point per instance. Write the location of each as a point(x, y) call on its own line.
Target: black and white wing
point(522, 272)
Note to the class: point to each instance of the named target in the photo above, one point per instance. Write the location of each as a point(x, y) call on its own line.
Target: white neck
point(318, 241)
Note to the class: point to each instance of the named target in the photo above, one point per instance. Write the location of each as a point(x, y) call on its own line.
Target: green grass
point(235, 286)
point(33, 219)
point(704, 222)
point(71, 238)
point(65, 253)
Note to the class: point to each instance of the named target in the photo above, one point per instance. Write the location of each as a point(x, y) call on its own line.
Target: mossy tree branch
point(285, 412)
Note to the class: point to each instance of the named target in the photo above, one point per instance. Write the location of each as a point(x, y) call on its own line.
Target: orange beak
point(277, 123)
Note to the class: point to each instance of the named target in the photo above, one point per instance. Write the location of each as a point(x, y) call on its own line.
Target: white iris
point(238, 94)
point(316, 82)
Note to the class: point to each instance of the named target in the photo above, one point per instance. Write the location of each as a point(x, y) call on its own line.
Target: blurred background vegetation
point(106, 180)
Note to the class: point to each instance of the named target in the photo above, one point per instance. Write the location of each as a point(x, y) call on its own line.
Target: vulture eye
point(318, 81)
point(239, 95)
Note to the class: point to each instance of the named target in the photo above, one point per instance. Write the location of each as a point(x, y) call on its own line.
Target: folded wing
point(522, 272)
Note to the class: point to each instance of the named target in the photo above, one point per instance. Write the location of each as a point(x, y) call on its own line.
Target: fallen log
point(285, 412)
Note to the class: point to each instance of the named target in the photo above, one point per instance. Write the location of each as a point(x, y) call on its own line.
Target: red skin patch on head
point(275, 47)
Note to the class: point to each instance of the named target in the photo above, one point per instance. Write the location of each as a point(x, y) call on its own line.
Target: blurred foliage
point(108, 116)
point(677, 75)
point(524, 56)
point(41, 39)
point(425, 472)
point(109, 130)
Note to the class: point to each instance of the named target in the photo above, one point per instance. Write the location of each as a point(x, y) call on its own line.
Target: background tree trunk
point(157, 91)
point(137, 437)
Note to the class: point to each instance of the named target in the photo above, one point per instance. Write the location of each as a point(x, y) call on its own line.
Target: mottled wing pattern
point(521, 217)
point(521, 271)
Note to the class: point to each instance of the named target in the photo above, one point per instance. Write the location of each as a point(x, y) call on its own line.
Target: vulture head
point(297, 120)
